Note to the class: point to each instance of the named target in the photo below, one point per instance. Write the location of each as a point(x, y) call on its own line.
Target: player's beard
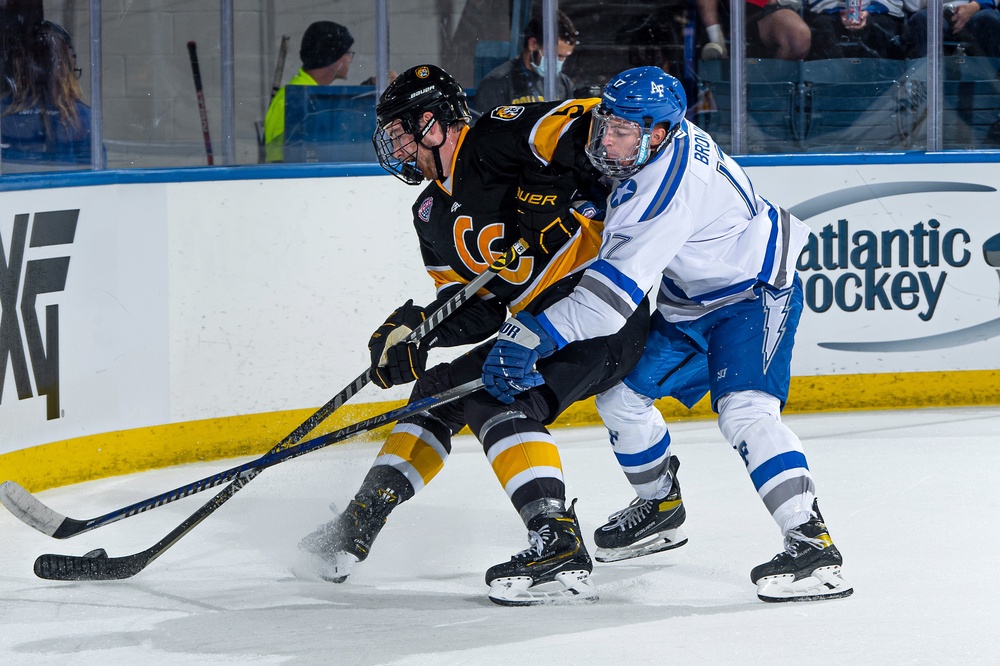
point(425, 162)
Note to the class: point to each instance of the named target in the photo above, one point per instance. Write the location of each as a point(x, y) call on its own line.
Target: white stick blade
point(29, 510)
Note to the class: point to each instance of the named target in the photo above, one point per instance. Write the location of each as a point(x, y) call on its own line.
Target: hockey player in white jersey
point(684, 215)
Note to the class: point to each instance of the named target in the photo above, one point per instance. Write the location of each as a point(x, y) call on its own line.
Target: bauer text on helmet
point(401, 125)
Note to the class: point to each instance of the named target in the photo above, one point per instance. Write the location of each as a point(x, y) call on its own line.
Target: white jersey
point(691, 221)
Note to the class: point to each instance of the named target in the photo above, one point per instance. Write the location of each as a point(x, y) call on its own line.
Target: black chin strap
point(436, 150)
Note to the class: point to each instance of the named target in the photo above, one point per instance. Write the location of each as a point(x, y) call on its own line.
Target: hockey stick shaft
point(69, 567)
point(279, 68)
point(33, 512)
point(199, 91)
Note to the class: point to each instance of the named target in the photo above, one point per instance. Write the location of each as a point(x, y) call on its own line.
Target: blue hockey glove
point(589, 210)
point(510, 366)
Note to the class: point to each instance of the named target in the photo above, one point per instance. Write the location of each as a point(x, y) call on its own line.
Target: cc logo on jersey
point(487, 247)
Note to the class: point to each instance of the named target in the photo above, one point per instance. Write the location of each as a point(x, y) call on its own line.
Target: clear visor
point(397, 152)
point(617, 147)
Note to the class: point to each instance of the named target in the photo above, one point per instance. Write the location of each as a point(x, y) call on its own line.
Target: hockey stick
point(196, 71)
point(279, 69)
point(33, 512)
point(96, 565)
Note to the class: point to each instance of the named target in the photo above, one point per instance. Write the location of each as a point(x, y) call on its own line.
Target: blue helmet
point(632, 104)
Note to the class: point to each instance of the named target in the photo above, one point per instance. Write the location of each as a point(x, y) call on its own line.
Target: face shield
point(617, 147)
point(396, 148)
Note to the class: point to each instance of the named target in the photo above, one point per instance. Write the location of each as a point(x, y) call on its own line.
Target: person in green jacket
point(326, 57)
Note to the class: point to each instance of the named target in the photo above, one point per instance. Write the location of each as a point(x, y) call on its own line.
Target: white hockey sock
point(777, 465)
point(639, 438)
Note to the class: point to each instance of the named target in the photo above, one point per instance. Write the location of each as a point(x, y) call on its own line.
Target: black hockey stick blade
point(96, 565)
point(34, 513)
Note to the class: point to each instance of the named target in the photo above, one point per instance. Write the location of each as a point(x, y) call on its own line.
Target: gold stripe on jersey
point(549, 129)
point(446, 185)
point(571, 257)
point(423, 456)
point(444, 277)
point(523, 457)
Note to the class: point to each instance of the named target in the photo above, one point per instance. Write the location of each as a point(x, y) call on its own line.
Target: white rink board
point(937, 312)
point(194, 300)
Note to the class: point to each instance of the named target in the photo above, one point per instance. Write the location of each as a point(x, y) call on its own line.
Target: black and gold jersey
point(517, 156)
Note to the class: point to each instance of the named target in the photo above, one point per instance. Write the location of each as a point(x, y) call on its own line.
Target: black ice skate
point(645, 526)
point(807, 570)
point(347, 539)
point(557, 556)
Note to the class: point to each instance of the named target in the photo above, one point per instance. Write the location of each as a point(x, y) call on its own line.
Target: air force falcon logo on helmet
point(507, 112)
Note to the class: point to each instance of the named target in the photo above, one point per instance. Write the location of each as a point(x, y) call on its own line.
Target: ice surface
point(910, 498)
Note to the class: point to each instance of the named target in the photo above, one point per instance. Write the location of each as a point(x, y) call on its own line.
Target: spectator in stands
point(43, 116)
point(656, 40)
point(774, 29)
point(878, 34)
point(17, 19)
point(326, 57)
point(523, 79)
point(976, 25)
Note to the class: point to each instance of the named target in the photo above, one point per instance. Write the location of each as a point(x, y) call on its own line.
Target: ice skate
point(554, 570)
point(809, 569)
point(347, 539)
point(645, 526)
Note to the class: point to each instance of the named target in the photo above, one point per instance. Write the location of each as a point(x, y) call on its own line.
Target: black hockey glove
point(544, 217)
point(394, 362)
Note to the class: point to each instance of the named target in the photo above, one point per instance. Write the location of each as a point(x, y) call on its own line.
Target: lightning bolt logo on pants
point(776, 306)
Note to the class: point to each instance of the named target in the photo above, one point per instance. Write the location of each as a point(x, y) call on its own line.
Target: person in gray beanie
point(326, 57)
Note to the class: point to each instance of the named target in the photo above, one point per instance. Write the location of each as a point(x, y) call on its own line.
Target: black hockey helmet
point(417, 90)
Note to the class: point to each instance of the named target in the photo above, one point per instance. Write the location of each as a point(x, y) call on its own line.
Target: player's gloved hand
point(543, 216)
point(510, 366)
point(589, 210)
point(394, 362)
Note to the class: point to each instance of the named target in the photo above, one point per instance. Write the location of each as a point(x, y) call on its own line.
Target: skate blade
point(824, 583)
point(569, 587)
point(338, 569)
point(666, 540)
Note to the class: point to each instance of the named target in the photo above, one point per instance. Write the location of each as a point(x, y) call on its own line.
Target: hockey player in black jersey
point(521, 172)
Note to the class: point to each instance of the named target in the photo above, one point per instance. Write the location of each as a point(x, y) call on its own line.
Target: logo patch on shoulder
point(424, 212)
point(623, 193)
point(507, 112)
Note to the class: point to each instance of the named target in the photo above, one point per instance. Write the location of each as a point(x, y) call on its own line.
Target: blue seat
point(971, 113)
point(853, 104)
point(970, 104)
point(772, 105)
